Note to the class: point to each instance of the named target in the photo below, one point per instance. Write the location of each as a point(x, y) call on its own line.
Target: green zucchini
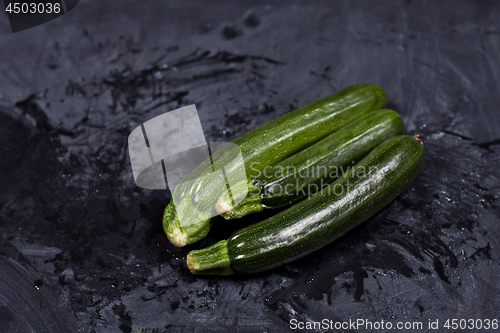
point(263, 146)
point(313, 223)
point(304, 173)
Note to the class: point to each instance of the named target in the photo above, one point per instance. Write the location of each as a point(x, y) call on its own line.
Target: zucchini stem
point(180, 234)
point(213, 260)
point(250, 204)
point(417, 137)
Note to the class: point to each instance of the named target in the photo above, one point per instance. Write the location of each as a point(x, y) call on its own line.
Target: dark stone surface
point(82, 247)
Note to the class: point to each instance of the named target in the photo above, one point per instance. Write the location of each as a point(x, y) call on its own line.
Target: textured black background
point(82, 247)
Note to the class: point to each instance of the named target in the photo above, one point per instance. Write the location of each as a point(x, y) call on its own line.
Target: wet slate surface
point(82, 248)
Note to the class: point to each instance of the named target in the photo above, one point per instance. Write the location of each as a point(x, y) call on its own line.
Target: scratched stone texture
point(82, 247)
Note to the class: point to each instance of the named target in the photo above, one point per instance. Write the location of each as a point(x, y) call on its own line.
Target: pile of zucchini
point(333, 163)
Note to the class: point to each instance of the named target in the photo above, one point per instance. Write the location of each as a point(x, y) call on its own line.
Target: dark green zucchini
point(313, 223)
point(263, 146)
point(303, 174)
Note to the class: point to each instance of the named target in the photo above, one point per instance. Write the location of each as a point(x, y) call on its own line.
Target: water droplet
point(38, 284)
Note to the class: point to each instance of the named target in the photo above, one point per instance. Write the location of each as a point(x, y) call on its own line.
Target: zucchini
point(313, 223)
point(263, 146)
point(304, 173)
